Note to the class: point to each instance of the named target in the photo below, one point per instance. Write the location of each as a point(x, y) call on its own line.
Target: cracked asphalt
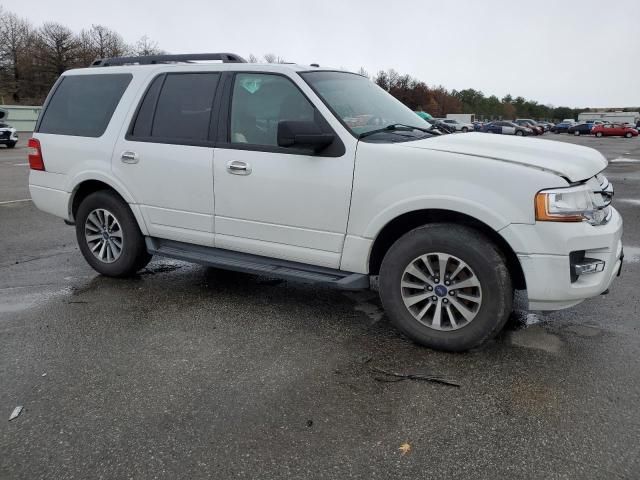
point(189, 372)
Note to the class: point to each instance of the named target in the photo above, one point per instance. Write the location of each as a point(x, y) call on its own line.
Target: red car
point(614, 130)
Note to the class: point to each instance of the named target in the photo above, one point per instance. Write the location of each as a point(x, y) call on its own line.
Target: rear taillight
point(36, 161)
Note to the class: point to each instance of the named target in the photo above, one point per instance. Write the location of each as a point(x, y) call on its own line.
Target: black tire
point(599, 134)
point(628, 135)
point(519, 133)
point(483, 258)
point(133, 255)
point(576, 133)
point(11, 144)
point(465, 129)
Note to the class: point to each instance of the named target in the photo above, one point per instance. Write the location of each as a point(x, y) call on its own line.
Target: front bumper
point(544, 256)
point(4, 139)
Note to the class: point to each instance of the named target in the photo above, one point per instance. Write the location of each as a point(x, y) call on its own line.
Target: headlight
point(573, 204)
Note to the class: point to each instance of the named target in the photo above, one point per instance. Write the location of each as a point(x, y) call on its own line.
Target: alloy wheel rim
point(441, 291)
point(103, 235)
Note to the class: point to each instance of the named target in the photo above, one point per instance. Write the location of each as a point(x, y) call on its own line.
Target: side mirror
point(303, 135)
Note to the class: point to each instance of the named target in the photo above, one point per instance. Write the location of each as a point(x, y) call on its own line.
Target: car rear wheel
point(576, 133)
point(465, 129)
point(108, 235)
point(598, 134)
point(446, 286)
point(519, 133)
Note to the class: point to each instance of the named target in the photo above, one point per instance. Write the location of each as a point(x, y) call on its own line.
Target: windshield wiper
point(394, 127)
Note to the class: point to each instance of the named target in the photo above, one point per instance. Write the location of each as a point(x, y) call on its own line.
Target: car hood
point(573, 162)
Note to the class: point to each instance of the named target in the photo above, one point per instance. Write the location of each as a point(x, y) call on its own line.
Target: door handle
point(238, 168)
point(129, 157)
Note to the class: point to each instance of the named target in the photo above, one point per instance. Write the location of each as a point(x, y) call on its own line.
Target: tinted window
point(184, 107)
point(82, 105)
point(259, 102)
point(144, 118)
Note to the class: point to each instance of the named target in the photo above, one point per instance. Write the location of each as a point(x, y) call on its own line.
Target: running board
point(257, 265)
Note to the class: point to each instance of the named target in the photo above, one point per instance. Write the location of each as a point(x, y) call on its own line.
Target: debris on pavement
point(398, 377)
point(16, 412)
point(405, 448)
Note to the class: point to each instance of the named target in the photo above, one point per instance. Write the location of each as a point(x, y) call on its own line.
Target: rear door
point(165, 158)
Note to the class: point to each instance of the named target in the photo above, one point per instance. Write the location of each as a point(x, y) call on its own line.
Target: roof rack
point(154, 59)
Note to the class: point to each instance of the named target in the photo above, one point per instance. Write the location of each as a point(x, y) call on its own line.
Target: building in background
point(22, 118)
point(462, 117)
point(610, 116)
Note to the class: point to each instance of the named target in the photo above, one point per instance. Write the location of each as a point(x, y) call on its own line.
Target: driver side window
point(260, 101)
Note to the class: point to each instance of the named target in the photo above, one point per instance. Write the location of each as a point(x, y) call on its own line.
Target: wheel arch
point(408, 221)
point(87, 186)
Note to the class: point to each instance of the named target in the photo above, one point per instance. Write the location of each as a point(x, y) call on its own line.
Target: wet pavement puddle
point(535, 337)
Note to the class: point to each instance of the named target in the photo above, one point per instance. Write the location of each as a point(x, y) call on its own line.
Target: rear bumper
point(547, 269)
point(50, 200)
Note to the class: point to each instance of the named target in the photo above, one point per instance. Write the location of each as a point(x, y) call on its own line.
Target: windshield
point(360, 104)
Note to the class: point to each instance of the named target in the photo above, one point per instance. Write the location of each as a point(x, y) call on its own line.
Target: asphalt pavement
point(186, 372)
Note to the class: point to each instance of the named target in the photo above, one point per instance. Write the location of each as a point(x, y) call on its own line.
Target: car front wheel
point(519, 133)
point(11, 144)
point(628, 135)
point(598, 134)
point(108, 235)
point(446, 286)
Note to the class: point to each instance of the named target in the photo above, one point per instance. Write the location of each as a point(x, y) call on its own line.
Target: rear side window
point(82, 105)
point(176, 108)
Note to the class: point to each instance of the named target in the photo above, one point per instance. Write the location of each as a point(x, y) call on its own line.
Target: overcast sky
point(582, 53)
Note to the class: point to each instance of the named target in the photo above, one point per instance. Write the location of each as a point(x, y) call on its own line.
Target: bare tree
point(270, 58)
point(253, 58)
point(101, 42)
point(146, 46)
point(58, 47)
point(15, 36)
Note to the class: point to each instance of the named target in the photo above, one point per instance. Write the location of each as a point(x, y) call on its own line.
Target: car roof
point(283, 68)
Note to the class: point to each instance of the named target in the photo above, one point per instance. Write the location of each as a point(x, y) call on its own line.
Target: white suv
point(321, 176)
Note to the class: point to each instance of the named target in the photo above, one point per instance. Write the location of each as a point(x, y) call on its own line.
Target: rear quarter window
point(82, 105)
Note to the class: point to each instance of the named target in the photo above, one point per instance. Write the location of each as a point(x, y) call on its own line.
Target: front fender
point(434, 202)
point(391, 180)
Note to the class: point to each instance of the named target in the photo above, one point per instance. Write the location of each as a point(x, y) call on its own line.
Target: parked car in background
point(561, 127)
point(526, 122)
point(506, 128)
point(460, 127)
point(442, 126)
point(477, 126)
point(8, 135)
point(614, 130)
point(580, 129)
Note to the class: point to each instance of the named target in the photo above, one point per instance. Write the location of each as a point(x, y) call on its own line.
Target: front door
point(271, 200)
point(166, 159)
